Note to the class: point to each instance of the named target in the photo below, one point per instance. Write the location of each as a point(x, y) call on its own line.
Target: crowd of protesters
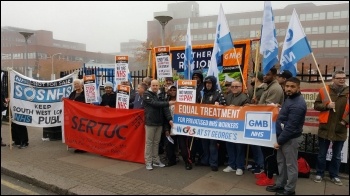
point(276, 89)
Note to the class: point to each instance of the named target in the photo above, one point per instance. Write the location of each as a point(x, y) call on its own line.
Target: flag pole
point(8, 104)
point(256, 63)
point(240, 70)
point(324, 84)
point(149, 60)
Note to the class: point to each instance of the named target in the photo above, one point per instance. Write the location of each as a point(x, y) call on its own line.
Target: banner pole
point(324, 84)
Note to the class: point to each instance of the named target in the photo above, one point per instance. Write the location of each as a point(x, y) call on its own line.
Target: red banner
point(111, 132)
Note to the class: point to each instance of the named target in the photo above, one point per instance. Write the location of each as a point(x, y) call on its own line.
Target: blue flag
point(188, 61)
point(269, 44)
point(223, 42)
point(295, 45)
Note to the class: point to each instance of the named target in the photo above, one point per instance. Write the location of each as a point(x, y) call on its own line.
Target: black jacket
point(80, 98)
point(109, 99)
point(213, 95)
point(290, 120)
point(155, 109)
point(199, 85)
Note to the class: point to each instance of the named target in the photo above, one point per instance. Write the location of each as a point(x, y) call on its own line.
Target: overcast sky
point(102, 26)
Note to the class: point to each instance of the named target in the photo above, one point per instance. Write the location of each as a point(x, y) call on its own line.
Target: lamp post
point(26, 36)
point(53, 76)
point(163, 20)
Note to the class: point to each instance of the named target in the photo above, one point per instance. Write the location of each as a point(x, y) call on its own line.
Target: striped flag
point(223, 42)
point(295, 47)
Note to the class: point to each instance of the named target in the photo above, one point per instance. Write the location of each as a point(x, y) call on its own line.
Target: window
point(31, 55)
point(302, 17)
point(342, 43)
point(335, 29)
point(328, 44)
point(308, 30)
point(320, 44)
point(321, 30)
point(322, 15)
point(195, 25)
point(253, 21)
point(258, 21)
point(336, 15)
point(329, 29)
point(283, 19)
point(313, 44)
point(344, 14)
point(211, 24)
point(335, 43)
point(277, 19)
point(329, 15)
point(308, 17)
point(315, 16)
point(344, 28)
point(314, 30)
point(241, 22)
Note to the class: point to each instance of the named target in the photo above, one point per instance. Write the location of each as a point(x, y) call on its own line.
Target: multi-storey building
point(326, 27)
point(41, 47)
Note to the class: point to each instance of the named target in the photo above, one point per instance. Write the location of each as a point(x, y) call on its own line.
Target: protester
point(260, 87)
point(333, 119)
point(235, 151)
point(283, 76)
point(4, 104)
point(19, 135)
point(138, 102)
point(78, 95)
point(147, 80)
point(197, 150)
point(273, 94)
point(289, 127)
point(155, 110)
point(211, 95)
point(109, 98)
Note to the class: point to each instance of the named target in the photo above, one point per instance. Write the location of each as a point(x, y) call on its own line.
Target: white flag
point(269, 44)
point(223, 42)
point(295, 45)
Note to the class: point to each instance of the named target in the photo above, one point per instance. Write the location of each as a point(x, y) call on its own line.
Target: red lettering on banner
point(121, 73)
point(122, 105)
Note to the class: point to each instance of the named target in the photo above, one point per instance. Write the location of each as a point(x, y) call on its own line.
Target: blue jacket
point(291, 118)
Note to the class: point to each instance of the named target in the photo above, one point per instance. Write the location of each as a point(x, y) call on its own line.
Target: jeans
point(210, 152)
point(258, 158)
point(336, 157)
point(235, 152)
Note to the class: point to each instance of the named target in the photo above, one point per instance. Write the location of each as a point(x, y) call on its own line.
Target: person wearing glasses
point(333, 119)
point(235, 151)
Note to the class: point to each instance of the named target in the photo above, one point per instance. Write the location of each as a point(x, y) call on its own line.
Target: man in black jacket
point(155, 111)
point(289, 127)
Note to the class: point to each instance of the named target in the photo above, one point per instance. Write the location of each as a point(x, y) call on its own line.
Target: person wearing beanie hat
point(283, 76)
point(109, 98)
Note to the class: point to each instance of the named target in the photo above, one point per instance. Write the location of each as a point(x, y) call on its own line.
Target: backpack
point(303, 168)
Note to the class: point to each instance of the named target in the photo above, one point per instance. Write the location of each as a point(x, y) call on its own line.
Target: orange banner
point(111, 132)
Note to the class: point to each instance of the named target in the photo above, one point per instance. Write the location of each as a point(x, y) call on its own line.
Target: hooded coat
point(210, 96)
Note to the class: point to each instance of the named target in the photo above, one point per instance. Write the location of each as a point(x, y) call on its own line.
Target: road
point(12, 186)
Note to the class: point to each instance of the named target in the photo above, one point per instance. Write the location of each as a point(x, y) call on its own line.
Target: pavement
point(48, 164)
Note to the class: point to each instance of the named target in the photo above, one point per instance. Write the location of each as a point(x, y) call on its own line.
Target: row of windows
point(313, 44)
point(253, 21)
point(279, 32)
point(34, 55)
